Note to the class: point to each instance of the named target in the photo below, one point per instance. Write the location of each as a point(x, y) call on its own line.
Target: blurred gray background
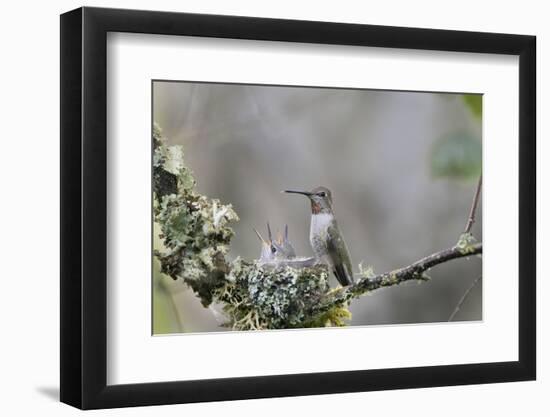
point(373, 149)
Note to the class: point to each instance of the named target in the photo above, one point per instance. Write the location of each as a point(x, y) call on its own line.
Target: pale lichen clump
point(196, 233)
point(466, 243)
point(195, 229)
point(258, 297)
point(366, 271)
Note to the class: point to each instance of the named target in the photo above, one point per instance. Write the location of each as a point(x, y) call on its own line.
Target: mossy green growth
point(337, 316)
point(475, 103)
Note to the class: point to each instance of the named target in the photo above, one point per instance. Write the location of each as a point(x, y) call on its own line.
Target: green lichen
point(256, 297)
point(336, 316)
point(389, 279)
point(465, 243)
point(196, 232)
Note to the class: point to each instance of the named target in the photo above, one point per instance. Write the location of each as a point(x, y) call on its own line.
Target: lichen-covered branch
point(195, 229)
point(415, 271)
point(195, 232)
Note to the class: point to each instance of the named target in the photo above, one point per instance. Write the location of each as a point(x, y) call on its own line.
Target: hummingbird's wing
point(339, 255)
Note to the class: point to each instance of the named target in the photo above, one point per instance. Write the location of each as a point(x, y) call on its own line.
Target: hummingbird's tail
point(342, 274)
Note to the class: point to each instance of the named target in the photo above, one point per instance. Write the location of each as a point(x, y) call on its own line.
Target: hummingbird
point(325, 236)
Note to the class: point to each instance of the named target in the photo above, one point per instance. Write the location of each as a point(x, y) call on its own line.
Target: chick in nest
point(280, 252)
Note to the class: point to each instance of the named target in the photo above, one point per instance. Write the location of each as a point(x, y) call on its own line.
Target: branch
point(459, 305)
point(415, 271)
point(467, 237)
point(472, 215)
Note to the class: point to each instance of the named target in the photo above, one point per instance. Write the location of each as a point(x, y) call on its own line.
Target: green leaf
point(457, 156)
point(474, 103)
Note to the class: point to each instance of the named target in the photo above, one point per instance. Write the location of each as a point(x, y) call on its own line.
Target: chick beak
point(260, 237)
point(279, 238)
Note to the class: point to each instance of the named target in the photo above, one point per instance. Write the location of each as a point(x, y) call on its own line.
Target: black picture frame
point(84, 207)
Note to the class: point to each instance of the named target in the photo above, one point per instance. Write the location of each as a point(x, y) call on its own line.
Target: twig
point(412, 272)
point(459, 305)
point(472, 215)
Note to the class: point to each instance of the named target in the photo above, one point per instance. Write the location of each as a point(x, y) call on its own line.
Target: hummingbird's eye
point(273, 249)
point(322, 194)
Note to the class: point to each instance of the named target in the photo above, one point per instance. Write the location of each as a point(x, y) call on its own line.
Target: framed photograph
point(257, 208)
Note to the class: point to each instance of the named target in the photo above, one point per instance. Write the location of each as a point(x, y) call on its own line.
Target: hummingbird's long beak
point(306, 193)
